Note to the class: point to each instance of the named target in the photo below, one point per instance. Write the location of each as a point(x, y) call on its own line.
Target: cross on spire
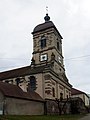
point(46, 9)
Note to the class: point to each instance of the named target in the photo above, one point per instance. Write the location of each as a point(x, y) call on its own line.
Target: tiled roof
point(45, 26)
point(14, 91)
point(20, 72)
point(75, 91)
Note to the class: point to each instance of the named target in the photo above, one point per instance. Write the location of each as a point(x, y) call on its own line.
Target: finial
point(46, 18)
point(46, 9)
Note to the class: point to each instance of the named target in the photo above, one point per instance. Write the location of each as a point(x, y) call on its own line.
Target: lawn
point(48, 117)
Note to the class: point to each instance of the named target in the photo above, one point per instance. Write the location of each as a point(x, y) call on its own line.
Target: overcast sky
point(71, 17)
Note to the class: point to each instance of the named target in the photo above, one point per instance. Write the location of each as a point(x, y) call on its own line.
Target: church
point(46, 75)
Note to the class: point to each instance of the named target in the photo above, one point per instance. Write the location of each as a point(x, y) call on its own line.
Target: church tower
point(46, 74)
point(47, 55)
point(47, 47)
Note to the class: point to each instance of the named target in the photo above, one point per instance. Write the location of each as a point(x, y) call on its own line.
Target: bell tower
point(47, 45)
point(47, 54)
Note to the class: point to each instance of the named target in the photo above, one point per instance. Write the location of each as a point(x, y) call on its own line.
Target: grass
point(48, 117)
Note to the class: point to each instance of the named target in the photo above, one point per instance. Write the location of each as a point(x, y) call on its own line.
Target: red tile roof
point(28, 70)
point(14, 91)
point(20, 72)
point(75, 91)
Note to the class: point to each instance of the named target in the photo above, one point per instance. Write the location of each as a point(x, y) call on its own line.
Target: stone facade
point(46, 67)
point(47, 43)
point(45, 82)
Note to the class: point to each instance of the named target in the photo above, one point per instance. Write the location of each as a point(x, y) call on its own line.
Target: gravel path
point(87, 117)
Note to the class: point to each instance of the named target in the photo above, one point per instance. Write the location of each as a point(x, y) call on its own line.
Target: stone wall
point(15, 106)
point(51, 107)
point(67, 106)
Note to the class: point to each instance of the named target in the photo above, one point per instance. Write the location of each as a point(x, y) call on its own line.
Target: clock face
point(43, 57)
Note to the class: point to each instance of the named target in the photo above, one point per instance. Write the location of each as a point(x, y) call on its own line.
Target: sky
point(71, 17)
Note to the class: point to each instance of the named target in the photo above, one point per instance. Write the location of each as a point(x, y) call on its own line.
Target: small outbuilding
point(80, 94)
point(14, 101)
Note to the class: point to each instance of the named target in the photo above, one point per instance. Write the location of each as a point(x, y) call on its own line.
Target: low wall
point(51, 107)
point(68, 106)
point(15, 106)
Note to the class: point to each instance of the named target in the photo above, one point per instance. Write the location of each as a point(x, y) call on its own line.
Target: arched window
point(58, 46)
point(43, 41)
point(17, 81)
point(67, 96)
point(32, 84)
point(61, 96)
point(53, 92)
